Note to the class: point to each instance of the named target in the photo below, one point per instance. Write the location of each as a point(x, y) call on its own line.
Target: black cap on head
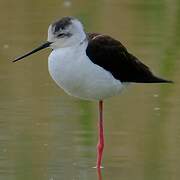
point(62, 23)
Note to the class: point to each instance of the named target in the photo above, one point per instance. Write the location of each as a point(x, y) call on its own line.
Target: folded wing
point(111, 55)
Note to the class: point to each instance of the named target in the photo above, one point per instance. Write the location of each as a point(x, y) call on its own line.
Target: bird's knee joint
point(100, 147)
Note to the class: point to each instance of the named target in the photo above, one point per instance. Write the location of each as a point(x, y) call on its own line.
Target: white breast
point(74, 72)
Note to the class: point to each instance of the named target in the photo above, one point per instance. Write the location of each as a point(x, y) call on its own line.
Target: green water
point(48, 135)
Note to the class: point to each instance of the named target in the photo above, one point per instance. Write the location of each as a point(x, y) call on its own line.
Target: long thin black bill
point(43, 46)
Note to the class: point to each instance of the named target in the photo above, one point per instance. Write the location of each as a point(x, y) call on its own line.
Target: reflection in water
point(99, 175)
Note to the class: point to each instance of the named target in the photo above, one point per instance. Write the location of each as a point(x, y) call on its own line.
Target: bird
point(91, 66)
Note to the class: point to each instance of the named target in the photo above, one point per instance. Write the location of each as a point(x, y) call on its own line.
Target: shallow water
point(46, 134)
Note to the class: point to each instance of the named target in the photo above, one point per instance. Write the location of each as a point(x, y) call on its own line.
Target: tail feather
point(156, 79)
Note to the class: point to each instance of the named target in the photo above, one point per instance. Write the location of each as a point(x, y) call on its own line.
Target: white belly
point(72, 70)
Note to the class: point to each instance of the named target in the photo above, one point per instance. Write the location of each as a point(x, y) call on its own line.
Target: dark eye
point(61, 35)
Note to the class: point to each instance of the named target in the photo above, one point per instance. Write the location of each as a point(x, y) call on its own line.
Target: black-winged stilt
point(91, 66)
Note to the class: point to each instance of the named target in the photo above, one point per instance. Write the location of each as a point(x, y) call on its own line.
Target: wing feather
point(114, 57)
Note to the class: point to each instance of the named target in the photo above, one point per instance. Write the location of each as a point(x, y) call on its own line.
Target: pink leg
point(100, 145)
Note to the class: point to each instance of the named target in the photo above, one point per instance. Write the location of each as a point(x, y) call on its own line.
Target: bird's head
point(66, 32)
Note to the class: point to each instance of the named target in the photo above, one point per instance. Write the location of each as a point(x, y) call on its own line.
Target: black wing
point(114, 57)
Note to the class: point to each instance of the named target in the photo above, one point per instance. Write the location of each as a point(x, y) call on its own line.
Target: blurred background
point(47, 135)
